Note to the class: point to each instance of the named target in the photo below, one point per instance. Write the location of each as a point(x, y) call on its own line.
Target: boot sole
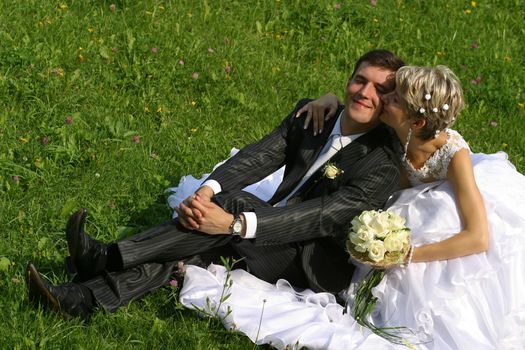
point(74, 225)
point(75, 222)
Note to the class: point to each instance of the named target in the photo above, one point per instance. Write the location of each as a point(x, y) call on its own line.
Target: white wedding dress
point(473, 302)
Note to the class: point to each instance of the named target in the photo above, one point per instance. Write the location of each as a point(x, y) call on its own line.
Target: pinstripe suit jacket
point(319, 213)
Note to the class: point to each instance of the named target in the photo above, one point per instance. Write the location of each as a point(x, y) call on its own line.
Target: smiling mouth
point(361, 104)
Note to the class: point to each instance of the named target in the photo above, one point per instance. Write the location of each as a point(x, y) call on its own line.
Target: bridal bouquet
point(379, 239)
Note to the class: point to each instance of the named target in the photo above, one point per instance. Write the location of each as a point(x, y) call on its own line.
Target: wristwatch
point(236, 227)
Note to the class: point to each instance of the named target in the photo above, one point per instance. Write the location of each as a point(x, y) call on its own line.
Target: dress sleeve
point(455, 143)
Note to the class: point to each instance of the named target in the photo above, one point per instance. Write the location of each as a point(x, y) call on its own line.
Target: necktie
point(332, 146)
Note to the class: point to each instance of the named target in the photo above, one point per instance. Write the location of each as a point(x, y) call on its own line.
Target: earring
point(409, 137)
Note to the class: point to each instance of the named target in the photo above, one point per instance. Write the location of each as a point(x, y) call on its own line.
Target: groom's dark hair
point(380, 58)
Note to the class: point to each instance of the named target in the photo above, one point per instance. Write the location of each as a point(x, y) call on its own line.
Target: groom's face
point(363, 94)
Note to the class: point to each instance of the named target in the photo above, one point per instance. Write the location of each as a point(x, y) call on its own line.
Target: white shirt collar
point(345, 139)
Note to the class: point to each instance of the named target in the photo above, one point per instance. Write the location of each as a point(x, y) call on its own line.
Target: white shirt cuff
point(214, 185)
point(251, 224)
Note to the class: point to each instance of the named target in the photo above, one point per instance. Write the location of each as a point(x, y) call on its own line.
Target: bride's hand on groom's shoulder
point(317, 111)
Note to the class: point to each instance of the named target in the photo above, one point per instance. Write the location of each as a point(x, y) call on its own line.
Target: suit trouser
point(150, 258)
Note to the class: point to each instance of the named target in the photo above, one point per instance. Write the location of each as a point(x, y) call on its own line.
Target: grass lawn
point(106, 105)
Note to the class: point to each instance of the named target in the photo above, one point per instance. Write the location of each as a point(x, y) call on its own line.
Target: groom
point(299, 234)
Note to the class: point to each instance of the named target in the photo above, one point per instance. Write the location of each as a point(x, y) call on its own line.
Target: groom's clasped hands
point(198, 212)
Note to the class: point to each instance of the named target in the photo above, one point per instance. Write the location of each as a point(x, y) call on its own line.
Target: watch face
point(237, 226)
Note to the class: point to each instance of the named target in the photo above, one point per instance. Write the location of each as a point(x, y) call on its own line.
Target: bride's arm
point(474, 238)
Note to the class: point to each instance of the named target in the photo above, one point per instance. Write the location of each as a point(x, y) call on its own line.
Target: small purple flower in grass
point(210, 50)
point(154, 50)
point(68, 120)
point(373, 2)
point(476, 81)
point(337, 6)
point(228, 69)
point(44, 141)
point(493, 123)
point(181, 62)
point(15, 178)
point(474, 45)
point(195, 75)
point(135, 139)
point(174, 283)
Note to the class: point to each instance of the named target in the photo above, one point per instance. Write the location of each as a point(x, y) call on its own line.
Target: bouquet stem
point(364, 305)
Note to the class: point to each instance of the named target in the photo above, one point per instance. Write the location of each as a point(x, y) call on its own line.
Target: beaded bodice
point(436, 166)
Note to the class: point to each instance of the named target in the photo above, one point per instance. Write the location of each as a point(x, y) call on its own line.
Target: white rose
point(363, 220)
point(376, 250)
point(367, 216)
point(359, 244)
point(354, 238)
point(405, 234)
point(394, 241)
point(396, 222)
point(380, 224)
point(362, 247)
point(356, 224)
point(365, 234)
point(331, 171)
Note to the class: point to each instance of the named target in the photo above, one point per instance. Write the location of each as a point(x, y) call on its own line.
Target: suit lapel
point(303, 150)
point(351, 153)
point(344, 160)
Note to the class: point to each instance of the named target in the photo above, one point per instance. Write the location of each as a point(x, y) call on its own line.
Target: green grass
point(81, 60)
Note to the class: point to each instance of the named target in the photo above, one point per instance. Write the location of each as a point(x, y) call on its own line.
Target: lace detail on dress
point(437, 165)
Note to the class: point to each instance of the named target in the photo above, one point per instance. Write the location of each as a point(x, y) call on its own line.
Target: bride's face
point(394, 113)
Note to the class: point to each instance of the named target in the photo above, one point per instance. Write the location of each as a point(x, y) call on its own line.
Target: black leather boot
point(88, 257)
point(70, 299)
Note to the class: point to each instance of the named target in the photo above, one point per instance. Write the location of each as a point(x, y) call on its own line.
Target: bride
point(461, 286)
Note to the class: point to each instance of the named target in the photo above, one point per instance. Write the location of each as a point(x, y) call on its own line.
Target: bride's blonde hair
point(433, 93)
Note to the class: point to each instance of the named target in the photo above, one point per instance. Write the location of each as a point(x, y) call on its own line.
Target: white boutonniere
point(331, 171)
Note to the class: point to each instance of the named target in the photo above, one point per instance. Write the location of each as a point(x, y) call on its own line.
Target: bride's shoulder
point(455, 142)
point(443, 156)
